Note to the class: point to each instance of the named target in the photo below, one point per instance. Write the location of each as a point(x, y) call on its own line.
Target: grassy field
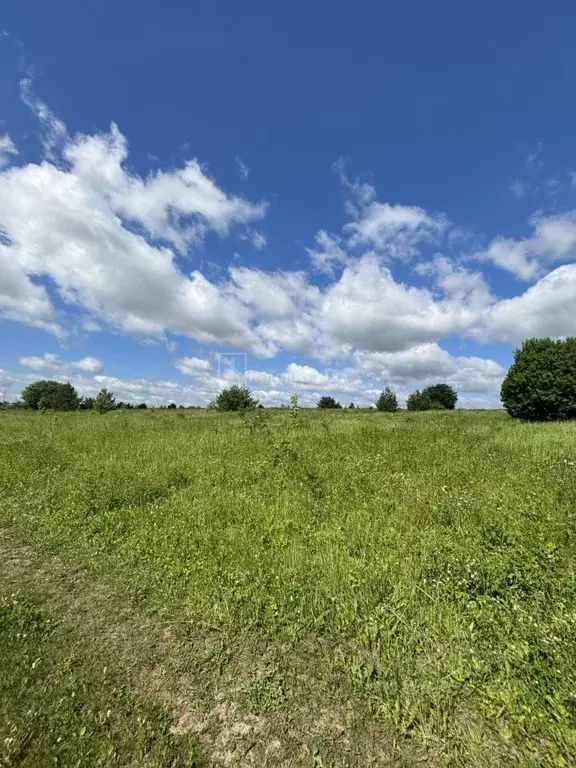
point(287, 589)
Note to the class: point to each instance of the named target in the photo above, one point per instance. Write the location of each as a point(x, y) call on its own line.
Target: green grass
point(287, 589)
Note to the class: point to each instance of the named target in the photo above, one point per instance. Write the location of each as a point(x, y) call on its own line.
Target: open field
point(287, 589)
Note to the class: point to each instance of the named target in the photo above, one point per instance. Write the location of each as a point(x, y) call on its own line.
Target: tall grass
point(344, 587)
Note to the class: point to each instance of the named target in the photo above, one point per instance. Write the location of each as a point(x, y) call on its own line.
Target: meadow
point(287, 588)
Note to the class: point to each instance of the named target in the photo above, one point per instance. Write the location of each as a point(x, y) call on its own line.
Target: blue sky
point(351, 195)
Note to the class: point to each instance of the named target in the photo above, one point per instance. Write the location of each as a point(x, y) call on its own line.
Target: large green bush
point(442, 394)
point(235, 398)
point(418, 401)
point(437, 397)
point(52, 395)
point(541, 383)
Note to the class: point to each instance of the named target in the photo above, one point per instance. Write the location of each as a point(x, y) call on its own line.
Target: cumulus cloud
point(370, 310)
point(416, 363)
point(50, 362)
point(263, 379)
point(23, 300)
point(394, 230)
point(456, 283)
point(192, 365)
point(272, 294)
point(114, 248)
point(547, 308)
point(67, 222)
point(553, 240)
point(90, 364)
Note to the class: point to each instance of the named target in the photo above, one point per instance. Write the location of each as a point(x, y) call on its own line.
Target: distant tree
point(327, 402)
point(351, 406)
point(541, 382)
point(104, 401)
point(235, 398)
point(86, 403)
point(442, 393)
point(50, 394)
point(387, 401)
point(127, 406)
point(172, 406)
point(142, 406)
point(418, 401)
point(260, 405)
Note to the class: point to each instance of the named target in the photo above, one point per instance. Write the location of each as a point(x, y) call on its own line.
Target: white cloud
point(272, 294)
point(298, 335)
point(416, 363)
point(54, 133)
point(89, 364)
point(52, 362)
point(257, 239)
point(305, 377)
point(395, 230)
point(178, 206)
point(554, 239)
point(112, 244)
point(64, 223)
point(368, 309)
point(262, 379)
point(547, 308)
point(327, 254)
point(7, 150)
point(456, 283)
point(21, 299)
point(192, 365)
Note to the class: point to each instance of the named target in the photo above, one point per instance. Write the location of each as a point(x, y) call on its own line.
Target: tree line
point(437, 397)
point(539, 386)
point(55, 396)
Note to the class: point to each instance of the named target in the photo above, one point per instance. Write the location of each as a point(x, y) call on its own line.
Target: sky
point(312, 198)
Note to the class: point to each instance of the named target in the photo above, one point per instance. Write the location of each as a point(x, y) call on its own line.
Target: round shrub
point(54, 395)
point(235, 398)
point(443, 394)
point(418, 401)
point(541, 383)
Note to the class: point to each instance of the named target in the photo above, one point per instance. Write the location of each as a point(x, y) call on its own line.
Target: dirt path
point(164, 664)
